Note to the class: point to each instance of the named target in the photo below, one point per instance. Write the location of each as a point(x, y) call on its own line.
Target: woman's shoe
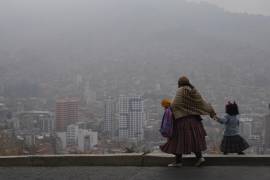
point(200, 162)
point(241, 153)
point(175, 165)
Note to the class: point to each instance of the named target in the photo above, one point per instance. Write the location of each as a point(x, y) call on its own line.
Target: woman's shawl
point(189, 101)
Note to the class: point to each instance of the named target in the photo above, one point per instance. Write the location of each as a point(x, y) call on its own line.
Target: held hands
point(215, 118)
point(212, 111)
point(213, 114)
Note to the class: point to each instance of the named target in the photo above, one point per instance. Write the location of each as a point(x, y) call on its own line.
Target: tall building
point(267, 131)
point(109, 113)
point(131, 118)
point(61, 142)
point(72, 135)
point(67, 112)
point(123, 118)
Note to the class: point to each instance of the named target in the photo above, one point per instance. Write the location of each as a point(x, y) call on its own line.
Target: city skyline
point(119, 59)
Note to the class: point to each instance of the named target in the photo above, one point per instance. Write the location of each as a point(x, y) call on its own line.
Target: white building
point(123, 117)
point(109, 113)
point(246, 127)
point(87, 139)
point(72, 135)
point(131, 118)
point(256, 145)
point(82, 139)
point(62, 143)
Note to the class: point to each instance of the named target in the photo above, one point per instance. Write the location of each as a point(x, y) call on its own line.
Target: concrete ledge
point(130, 160)
point(211, 160)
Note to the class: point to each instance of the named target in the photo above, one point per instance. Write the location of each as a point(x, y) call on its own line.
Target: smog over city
point(100, 68)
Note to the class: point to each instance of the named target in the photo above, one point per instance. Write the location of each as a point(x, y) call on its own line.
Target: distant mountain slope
point(42, 39)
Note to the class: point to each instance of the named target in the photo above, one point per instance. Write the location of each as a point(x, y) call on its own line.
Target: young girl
point(232, 142)
point(166, 128)
point(166, 103)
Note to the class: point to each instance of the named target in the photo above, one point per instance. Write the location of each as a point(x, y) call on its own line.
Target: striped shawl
point(189, 101)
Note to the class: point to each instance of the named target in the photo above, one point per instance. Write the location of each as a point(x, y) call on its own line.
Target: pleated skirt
point(233, 144)
point(188, 136)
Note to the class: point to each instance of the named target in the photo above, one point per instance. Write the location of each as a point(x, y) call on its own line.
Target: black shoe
point(225, 153)
point(241, 153)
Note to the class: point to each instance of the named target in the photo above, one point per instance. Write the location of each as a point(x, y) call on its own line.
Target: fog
point(43, 40)
point(54, 26)
point(248, 6)
point(98, 50)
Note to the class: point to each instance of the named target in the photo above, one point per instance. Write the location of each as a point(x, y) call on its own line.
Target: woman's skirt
point(233, 144)
point(188, 136)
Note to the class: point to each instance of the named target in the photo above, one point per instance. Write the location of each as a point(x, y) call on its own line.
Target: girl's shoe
point(241, 153)
point(175, 165)
point(200, 162)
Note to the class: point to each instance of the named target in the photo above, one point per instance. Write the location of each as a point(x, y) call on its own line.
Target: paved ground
point(135, 173)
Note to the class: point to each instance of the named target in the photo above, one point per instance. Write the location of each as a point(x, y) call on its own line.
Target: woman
point(189, 134)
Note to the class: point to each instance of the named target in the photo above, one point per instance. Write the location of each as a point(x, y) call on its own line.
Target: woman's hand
point(215, 118)
point(213, 114)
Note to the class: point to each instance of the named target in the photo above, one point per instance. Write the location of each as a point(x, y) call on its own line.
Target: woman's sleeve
point(210, 109)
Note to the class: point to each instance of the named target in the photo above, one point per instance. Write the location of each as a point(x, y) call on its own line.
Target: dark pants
point(179, 157)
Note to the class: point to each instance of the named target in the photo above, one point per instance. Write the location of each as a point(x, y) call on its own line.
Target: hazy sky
point(249, 6)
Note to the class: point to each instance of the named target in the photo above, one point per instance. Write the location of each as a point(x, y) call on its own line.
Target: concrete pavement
point(129, 160)
point(136, 173)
